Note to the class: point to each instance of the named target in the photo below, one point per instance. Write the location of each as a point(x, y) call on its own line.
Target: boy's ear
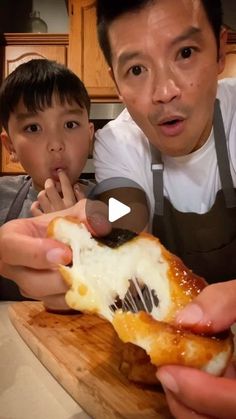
point(6, 141)
point(222, 49)
point(111, 73)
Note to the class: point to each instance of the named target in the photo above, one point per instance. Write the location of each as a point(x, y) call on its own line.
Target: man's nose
point(165, 88)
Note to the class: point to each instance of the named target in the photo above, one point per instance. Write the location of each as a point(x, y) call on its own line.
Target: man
point(165, 57)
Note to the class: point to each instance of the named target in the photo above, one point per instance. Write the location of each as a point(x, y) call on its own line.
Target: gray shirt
point(9, 186)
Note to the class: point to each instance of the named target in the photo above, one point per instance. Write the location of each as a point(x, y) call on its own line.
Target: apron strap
point(157, 168)
point(223, 157)
point(18, 201)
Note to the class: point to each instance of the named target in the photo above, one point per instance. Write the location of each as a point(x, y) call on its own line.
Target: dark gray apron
point(205, 242)
point(8, 289)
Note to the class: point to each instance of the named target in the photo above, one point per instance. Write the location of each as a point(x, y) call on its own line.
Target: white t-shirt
point(190, 182)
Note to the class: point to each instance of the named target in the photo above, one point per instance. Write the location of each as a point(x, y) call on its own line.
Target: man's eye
point(32, 128)
point(136, 70)
point(71, 124)
point(186, 52)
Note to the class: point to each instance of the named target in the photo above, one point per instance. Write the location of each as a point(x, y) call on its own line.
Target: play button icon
point(123, 201)
point(116, 209)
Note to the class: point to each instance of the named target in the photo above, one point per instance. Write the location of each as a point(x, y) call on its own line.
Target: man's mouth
point(170, 120)
point(171, 126)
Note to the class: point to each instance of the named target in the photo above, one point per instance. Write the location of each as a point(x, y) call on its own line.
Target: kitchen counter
point(27, 389)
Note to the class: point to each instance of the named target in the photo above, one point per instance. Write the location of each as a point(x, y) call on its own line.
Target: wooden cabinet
point(85, 57)
point(230, 65)
point(80, 51)
point(19, 48)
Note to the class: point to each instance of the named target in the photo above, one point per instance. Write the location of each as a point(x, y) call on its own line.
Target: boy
point(44, 111)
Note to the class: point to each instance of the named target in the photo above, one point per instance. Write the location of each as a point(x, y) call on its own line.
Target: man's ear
point(91, 138)
point(6, 141)
point(111, 73)
point(222, 49)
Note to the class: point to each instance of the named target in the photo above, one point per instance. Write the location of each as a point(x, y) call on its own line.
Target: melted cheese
point(100, 274)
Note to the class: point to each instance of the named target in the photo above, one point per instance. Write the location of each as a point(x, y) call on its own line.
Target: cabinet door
point(84, 56)
point(230, 65)
point(14, 56)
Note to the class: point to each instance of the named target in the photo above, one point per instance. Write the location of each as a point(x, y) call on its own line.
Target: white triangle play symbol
point(116, 209)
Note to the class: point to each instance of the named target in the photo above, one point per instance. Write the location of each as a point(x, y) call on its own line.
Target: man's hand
point(50, 199)
point(196, 394)
point(30, 259)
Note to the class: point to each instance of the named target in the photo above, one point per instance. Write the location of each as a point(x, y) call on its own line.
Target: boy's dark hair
point(108, 11)
point(35, 82)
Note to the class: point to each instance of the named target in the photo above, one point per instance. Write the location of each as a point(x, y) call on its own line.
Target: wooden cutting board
point(83, 354)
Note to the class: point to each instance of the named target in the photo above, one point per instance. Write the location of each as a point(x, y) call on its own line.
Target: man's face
point(164, 62)
point(55, 138)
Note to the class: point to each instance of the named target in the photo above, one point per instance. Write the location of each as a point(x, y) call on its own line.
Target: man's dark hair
point(108, 11)
point(35, 82)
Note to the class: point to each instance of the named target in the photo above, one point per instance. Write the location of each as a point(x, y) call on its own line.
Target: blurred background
point(15, 16)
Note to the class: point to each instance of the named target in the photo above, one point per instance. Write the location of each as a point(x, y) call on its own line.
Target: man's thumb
point(213, 310)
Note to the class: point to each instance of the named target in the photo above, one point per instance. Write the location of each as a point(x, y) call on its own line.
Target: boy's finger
point(51, 199)
point(35, 209)
point(67, 189)
point(79, 194)
point(45, 202)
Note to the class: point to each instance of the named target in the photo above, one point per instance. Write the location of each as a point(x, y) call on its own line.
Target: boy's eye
point(186, 52)
point(32, 128)
point(71, 124)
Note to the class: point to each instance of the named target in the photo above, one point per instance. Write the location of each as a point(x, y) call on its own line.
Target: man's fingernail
point(56, 256)
point(96, 219)
point(192, 314)
point(168, 381)
point(99, 224)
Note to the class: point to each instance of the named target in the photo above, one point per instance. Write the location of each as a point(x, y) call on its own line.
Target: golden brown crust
point(190, 283)
point(136, 365)
point(165, 344)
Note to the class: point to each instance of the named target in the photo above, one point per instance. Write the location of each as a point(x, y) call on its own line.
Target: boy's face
point(56, 138)
point(164, 62)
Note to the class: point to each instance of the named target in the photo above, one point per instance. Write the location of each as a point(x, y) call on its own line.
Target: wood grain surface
point(83, 353)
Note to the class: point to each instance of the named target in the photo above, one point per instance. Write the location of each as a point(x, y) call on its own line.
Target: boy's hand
point(50, 200)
